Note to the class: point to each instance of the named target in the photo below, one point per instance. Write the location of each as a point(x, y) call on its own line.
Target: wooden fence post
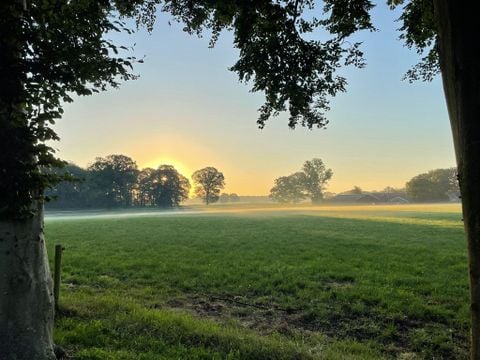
point(57, 277)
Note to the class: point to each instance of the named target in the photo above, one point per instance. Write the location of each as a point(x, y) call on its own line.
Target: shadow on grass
point(336, 286)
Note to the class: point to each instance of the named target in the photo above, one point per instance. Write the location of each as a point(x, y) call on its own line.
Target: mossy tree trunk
point(26, 294)
point(458, 49)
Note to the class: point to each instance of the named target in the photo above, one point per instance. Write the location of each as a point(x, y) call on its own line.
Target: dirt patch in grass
point(265, 318)
point(398, 337)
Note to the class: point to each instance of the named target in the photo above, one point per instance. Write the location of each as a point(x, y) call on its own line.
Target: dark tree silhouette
point(289, 189)
point(315, 177)
point(72, 192)
point(234, 197)
point(145, 187)
point(164, 187)
point(112, 180)
point(308, 183)
point(225, 198)
point(209, 182)
point(435, 185)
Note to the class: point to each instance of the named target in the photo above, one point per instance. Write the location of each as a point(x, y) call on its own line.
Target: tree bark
point(458, 49)
point(26, 299)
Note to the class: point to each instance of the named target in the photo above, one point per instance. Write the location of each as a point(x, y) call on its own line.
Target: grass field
point(359, 282)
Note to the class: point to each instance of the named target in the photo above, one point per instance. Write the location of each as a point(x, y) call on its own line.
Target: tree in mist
point(225, 198)
point(435, 185)
point(355, 190)
point(100, 186)
point(209, 182)
point(70, 193)
point(112, 179)
point(315, 177)
point(308, 183)
point(289, 189)
point(163, 187)
point(145, 187)
point(389, 193)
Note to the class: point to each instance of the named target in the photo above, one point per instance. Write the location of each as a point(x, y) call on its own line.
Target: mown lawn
point(305, 283)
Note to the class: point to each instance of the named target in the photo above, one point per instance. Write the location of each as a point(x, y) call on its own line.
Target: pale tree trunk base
point(26, 296)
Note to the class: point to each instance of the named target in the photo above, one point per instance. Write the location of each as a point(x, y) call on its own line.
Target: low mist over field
point(352, 282)
point(267, 209)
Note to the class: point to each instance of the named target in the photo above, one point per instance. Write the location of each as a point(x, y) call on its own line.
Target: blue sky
point(188, 110)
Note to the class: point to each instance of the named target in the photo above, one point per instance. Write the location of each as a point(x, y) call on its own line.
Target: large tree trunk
point(26, 300)
point(459, 48)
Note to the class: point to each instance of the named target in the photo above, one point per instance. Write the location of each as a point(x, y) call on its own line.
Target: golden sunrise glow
point(179, 166)
point(186, 110)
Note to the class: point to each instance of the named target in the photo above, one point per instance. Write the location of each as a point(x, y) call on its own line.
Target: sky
point(188, 110)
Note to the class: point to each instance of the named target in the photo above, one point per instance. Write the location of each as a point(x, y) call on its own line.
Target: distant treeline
point(435, 185)
point(116, 182)
point(309, 183)
point(439, 185)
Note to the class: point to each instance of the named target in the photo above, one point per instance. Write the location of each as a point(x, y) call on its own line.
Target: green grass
point(361, 282)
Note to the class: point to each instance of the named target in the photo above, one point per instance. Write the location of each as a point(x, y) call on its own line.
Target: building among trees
point(364, 198)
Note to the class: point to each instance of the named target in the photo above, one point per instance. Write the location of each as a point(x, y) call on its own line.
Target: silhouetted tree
point(315, 177)
point(70, 193)
point(145, 187)
point(112, 179)
point(225, 197)
point(168, 187)
point(435, 185)
point(209, 183)
point(289, 189)
point(234, 197)
point(100, 186)
point(308, 183)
